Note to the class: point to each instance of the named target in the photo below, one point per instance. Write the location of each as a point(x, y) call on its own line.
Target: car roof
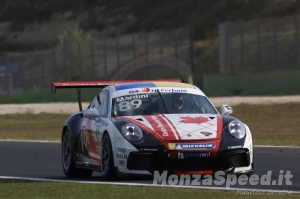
point(153, 84)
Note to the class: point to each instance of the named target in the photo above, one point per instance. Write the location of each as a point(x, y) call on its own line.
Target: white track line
point(41, 141)
point(276, 146)
point(149, 185)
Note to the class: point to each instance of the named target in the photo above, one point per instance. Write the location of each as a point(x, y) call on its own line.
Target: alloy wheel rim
point(66, 150)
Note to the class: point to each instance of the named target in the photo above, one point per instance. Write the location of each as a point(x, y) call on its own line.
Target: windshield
point(153, 103)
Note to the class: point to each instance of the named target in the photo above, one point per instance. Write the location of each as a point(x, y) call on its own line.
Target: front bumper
point(227, 161)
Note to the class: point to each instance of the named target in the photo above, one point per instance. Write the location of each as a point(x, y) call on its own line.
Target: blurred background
point(232, 47)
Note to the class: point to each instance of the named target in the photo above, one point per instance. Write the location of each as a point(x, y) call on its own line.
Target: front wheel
point(107, 159)
point(68, 159)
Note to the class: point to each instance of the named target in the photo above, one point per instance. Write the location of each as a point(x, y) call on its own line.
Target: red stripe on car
point(160, 126)
point(219, 134)
point(175, 129)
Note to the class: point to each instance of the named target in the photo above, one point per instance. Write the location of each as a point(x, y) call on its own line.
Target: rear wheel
point(68, 158)
point(107, 159)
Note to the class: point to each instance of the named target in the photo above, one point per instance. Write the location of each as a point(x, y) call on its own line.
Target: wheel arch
point(73, 124)
point(113, 150)
point(113, 144)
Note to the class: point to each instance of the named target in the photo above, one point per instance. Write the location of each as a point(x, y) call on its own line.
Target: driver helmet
point(177, 101)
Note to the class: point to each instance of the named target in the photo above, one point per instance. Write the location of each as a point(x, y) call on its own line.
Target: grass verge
point(42, 126)
point(24, 189)
point(280, 82)
point(276, 124)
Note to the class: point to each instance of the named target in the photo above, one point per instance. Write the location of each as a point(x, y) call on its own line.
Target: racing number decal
point(125, 106)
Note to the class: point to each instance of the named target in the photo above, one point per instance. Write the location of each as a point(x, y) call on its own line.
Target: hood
point(180, 127)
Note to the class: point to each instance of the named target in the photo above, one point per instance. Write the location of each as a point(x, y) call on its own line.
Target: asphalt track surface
point(43, 160)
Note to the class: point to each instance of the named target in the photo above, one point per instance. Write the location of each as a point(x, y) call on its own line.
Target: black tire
point(68, 158)
point(252, 164)
point(253, 159)
point(107, 159)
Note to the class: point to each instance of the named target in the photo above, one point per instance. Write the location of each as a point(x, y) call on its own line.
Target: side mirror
point(226, 109)
point(91, 113)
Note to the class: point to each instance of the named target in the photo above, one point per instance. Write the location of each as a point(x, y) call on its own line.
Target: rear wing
point(99, 84)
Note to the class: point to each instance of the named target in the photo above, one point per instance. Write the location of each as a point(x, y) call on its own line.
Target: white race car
point(139, 127)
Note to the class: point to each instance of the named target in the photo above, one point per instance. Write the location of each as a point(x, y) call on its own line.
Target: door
point(92, 130)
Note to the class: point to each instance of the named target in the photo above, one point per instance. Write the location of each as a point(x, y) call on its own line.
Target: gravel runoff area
point(70, 108)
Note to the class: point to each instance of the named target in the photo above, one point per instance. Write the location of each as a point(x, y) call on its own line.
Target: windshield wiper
point(164, 102)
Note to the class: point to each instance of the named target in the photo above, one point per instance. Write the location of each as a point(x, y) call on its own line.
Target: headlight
point(132, 132)
point(237, 129)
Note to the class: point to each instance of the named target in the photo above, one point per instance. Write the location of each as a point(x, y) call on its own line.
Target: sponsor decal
point(153, 90)
point(133, 91)
point(122, 155)
point(132, 97)
point(176, 134)
point(122, 163)
point(206, 133)
point(98, 129)
point(193, 120)
point(98, 148)
point(163, 90)
point(147, 149)
point(145, 90)
point(98, 133)
point(193, 155)
point(121, 150)
point(191, 146)
point(160, 125)
point(168, 90)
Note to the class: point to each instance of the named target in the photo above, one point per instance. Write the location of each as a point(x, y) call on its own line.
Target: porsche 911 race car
point(139, 127)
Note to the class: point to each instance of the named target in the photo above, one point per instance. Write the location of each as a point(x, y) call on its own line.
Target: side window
point(102, 100)
point(94, 103)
